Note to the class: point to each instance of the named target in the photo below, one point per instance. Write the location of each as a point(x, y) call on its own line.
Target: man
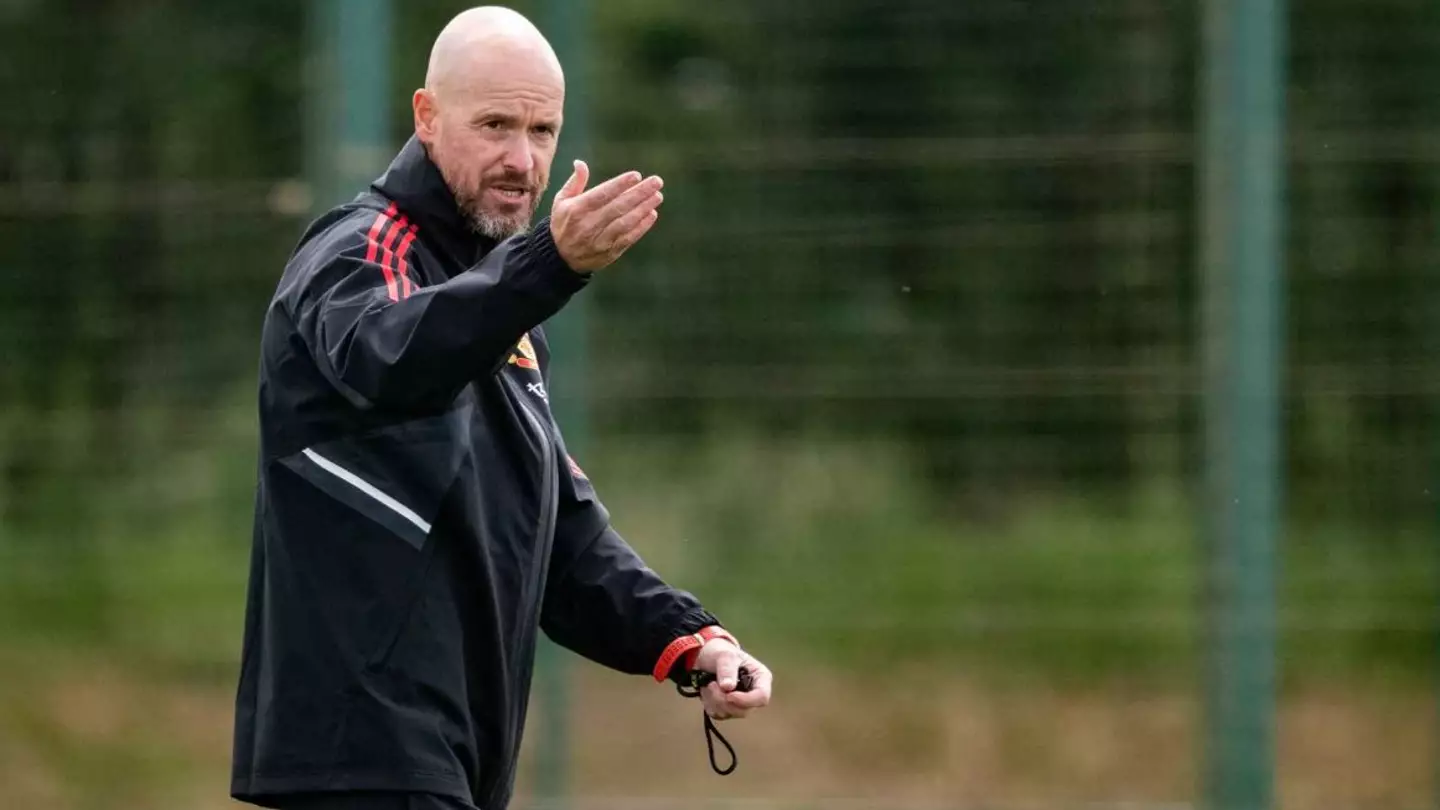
point(418, 519)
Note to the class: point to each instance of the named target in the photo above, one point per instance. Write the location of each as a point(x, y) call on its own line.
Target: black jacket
point(417, 516)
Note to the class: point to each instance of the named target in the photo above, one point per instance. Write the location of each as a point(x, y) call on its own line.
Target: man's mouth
point(510, 192)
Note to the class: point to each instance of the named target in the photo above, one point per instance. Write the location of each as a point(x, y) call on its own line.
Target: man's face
point(492, 131)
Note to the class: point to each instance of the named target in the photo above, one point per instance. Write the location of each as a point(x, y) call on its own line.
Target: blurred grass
point(821, 546)
point(827, 547)
point(119, 645)
point(87, 728)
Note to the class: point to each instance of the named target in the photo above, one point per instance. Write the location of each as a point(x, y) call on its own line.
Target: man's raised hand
point(593, 228)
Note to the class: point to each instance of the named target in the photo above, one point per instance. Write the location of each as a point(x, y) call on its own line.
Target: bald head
point(483, 42)
point(490, 114)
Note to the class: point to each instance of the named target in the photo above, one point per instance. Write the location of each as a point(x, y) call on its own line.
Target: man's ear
point(426, 111)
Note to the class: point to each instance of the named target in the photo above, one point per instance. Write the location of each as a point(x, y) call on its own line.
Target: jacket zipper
point(544, 528)
point(367, 489)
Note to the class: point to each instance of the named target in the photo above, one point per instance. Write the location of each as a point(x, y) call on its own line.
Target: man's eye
point(545, 129)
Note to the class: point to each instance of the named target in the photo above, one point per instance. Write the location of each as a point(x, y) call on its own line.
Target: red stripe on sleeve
point(387, 258)
point(374, 234)
point(400, 258)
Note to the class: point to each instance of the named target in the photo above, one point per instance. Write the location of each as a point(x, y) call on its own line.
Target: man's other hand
point(593, 228)
point(721, 698)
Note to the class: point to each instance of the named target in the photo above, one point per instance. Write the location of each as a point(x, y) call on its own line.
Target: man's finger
point(727, 670)
point(718, 707)
point(761, 678)
point(761, 683)
point(615, 232)
point(744, 701)
point(628, 241)
point(597, 197)
point(714, 701)
point(576, 184)
point(631, 197)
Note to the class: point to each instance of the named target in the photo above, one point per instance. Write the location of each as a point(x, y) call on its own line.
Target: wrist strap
point(688, 646)
point(698, 681)
point(711, 734)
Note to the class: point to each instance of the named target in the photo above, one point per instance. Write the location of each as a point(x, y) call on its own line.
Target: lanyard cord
point(698, 681)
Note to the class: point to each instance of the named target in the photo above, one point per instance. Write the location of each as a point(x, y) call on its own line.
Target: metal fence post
point(1241, 264)
point(566, 24)
point(348, 75)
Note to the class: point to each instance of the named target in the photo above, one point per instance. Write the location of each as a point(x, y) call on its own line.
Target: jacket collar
point(416, 186)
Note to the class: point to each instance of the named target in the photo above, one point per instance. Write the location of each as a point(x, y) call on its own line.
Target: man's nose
point(519, 158)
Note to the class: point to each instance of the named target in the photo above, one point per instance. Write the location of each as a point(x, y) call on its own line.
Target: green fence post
point(566, 24)
point(348, 135)
point(1241, 264)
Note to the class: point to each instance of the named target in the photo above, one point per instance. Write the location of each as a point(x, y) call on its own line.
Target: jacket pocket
point(396, 476)
point(351, 489)
point(352, 522)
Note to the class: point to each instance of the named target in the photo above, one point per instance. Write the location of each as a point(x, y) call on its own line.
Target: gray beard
point(481, 222)
point(490, 225)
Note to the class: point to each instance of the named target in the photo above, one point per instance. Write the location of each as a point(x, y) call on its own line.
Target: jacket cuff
point(546, 259)
point(689, 624)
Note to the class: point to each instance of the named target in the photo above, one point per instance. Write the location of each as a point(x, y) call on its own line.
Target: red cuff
point(688, 646)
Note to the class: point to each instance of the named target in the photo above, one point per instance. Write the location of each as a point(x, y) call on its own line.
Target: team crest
point(524, 355)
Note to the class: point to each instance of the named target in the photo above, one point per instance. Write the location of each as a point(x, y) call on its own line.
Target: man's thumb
point(576, 183)
point(727, 670)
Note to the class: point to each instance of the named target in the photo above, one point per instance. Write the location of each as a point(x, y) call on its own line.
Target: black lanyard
point(699, 680)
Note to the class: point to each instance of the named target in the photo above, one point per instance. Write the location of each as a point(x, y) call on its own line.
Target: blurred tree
point(961, 228)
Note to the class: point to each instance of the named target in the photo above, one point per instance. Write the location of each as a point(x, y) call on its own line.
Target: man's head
point(489, 116)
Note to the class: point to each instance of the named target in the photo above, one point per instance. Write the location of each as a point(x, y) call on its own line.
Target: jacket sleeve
point(601, 600)
point(420, 350)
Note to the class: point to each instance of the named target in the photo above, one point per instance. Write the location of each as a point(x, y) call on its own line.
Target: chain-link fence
point(907, 385)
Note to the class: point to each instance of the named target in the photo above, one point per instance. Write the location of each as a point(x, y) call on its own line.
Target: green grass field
point(1059, 628)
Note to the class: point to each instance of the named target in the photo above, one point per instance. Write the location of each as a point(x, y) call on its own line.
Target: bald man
point(418, 520)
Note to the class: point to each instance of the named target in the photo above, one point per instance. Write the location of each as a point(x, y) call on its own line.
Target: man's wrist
point(547, 256)
point(686, 649)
